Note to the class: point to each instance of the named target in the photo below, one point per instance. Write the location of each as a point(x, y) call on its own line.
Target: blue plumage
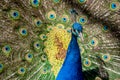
point(72, 66)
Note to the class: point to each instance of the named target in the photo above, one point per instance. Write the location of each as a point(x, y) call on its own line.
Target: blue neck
point(73, 52)
point(72, 66)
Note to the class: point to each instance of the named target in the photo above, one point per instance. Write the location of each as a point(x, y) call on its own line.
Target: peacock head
point(77, 30)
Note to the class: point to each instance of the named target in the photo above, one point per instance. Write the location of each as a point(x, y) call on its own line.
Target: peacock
point(72, 63)
point(36, 37)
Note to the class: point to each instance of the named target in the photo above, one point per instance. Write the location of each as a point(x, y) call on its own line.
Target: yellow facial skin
point(94, 42)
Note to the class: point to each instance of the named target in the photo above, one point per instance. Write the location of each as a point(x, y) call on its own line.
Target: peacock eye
point(44, 71)
point(51, 15)
point(114, 6)
point(29, 57)
point(105, 28)
point(65, 18)
point(35, 3)
point(82, 1)
point(72, 11)
point(14, 14)
point(6, 50)
point(83, 20)
point(43, 36)
point(21, 71)
point(94, 42)
point(43, 57)
point(56, 1)
point(60, 26)
point(87, 63)
point(23, 31)
point(37, 45)
point(106, 57)
point(37, 22)
point(1, 67)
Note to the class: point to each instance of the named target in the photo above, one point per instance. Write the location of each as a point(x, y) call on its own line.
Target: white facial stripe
point(81, 36)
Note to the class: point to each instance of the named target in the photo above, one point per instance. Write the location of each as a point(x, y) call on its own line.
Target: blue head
point(77, 26)
point(77, 30)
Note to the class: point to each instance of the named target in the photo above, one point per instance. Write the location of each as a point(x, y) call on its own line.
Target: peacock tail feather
point(34, 37)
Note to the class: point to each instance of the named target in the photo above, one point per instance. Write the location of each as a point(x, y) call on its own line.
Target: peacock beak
point(81, 36)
